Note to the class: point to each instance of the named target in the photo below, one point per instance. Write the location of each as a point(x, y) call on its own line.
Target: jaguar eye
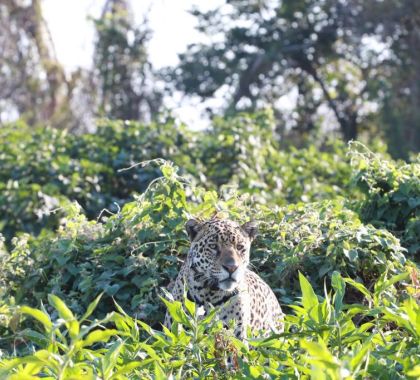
point(213, 246)
point(240, 247)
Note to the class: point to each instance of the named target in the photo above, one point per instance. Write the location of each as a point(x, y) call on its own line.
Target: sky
point(172, 26)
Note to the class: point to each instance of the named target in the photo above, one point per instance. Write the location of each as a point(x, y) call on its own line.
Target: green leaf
point(74, 329)
point(109, 361)
point(150, 351)
point(99, 336)
point(360, 287)
point(414, 372)
point(8, 365)
point(380, 287)
point(167, 170)
point(309, 298)
point(36, 337)
point(190, 306)
point(39, 315)
point(361, 354)
point(92, 306)
point(317, 350)
point(339, 286)
point(146, 327)
point(159, 374)
point(176, 312)
point(127, 368)
point(63, 311)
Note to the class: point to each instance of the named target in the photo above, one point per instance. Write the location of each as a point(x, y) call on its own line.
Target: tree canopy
point(122, 69)
point(345, 59)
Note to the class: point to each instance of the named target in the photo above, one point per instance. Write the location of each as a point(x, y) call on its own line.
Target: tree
point(33, 84)
point(396, 24)
point(123, 73)
point(263, 49)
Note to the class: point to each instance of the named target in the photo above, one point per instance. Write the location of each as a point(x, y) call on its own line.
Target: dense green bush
point(40, 168)
point(392, 194)
point(139, 250)
point(318, 239)
point(244, 153)
point(322, 210)
point(321, 341)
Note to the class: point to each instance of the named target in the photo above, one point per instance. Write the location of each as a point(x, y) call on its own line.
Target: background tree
point(323, 53)
point(33, 84)
point(123, 73)
point(396, 25)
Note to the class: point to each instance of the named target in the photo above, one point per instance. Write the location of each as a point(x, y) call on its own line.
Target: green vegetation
point(338, 244)
point(321, 341)
point(92, 223)
point(41, 167)
point(392, 200)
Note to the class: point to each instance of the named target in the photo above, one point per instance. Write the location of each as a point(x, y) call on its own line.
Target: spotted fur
point(216, 273)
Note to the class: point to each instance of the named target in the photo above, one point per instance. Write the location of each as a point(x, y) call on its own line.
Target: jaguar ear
point(192, 227)
point(251, 229)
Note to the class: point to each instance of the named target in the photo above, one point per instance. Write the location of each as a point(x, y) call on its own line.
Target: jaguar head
point(219, 252)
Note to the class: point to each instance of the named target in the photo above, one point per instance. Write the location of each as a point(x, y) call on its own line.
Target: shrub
point(314, 224)
point(392, 194)
point(41, 168)
point(320, 340)
point(244, 153)
point(138, 250)
point(318, 239)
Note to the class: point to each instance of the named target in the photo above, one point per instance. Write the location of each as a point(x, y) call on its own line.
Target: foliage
point(322, 210)
point(34, 84)
point(40, 168)
point(392, 194)
point(318, 239)
point(321, 340)
point(43, 168)
point(243, 153)
point(396, 22)
point(138, 250)
point(92, 225)
point(269, 48)
point(122, 69)
point(356, 60)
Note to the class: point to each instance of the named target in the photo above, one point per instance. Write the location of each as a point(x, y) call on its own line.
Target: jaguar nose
point(230, 267)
